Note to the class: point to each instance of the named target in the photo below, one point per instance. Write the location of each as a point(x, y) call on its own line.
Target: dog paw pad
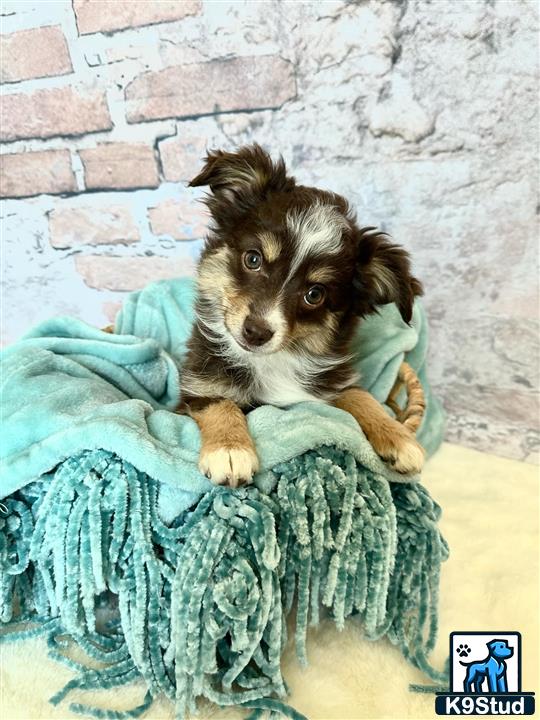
point(463, 650)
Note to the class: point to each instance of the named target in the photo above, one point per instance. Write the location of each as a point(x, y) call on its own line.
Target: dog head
point(286, 266)
point(500, 649)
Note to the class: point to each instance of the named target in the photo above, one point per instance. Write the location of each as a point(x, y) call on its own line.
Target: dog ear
point(244, 177)
point(383, 274)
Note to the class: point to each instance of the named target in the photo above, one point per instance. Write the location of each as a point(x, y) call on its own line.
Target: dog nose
point(256, 332)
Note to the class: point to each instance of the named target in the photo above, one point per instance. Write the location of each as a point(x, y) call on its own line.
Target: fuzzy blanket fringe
point(199, 607)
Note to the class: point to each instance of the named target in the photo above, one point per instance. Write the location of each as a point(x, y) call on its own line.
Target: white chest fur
point(280, 379)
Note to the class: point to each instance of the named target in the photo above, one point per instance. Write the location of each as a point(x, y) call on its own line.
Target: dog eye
point(253, 260)
point(315, 295)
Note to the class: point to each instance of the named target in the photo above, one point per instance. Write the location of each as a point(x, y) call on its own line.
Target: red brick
point(120, 166)
point(242, 83)
point(52, 112)
point(124, 274)
point(69, 227)
point(181, 156)
point(35, 173)
point(182, 221)
point(36, 53)
point(110, 15)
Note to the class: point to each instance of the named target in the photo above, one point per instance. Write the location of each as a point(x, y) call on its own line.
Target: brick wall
point(424, 116)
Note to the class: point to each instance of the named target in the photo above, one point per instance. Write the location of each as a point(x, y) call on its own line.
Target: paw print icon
point(463, 650)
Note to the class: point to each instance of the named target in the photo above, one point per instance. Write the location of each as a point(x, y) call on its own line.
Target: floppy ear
point(383, 274)
point(242, 178)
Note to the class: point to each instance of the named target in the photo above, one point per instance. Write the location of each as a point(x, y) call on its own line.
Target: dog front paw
point(229, 466)
point(400, 450)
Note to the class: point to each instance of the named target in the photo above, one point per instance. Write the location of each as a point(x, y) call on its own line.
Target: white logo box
point(477, 644)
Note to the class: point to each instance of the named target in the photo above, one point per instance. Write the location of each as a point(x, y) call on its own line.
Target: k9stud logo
point(485, 676)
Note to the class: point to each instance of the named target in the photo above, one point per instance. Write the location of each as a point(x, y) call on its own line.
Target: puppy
point(284, 278)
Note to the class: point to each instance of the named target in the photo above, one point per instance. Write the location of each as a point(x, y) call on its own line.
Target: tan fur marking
point(213, 272)
point(236, 306)
point(227, 450)
point(260, 176)
point(271, 246)
point(390, 440)
point(321, 275)
point(317, 340)
point(385, 281)
point(222, 424)
point(245, 176)
point(200, 386)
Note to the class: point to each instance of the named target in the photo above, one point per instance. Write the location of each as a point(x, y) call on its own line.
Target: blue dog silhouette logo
point(489, 674)
point(485, 676)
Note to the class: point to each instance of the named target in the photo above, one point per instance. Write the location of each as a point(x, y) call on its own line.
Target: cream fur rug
point(490, 519)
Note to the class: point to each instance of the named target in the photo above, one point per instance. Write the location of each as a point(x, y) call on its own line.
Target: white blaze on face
point(275, 317)
point(317, 230)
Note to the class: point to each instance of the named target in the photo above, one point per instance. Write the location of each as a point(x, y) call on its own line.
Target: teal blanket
point(68, 387)
point(103, 504)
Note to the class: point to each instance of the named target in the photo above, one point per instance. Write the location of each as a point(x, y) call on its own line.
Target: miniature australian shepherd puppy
point(284, 278)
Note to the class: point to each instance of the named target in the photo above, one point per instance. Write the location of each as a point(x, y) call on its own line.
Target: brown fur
point(257, 207)
point(224, 434)
point(389, 438)
point(271, 246)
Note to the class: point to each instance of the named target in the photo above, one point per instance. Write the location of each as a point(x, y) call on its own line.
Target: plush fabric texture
point(491, 580)
point(104, 510)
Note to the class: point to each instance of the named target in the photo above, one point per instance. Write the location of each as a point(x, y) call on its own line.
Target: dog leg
point(491, 675)
point(390, 440)
point(227, 454)
point(478, 685)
